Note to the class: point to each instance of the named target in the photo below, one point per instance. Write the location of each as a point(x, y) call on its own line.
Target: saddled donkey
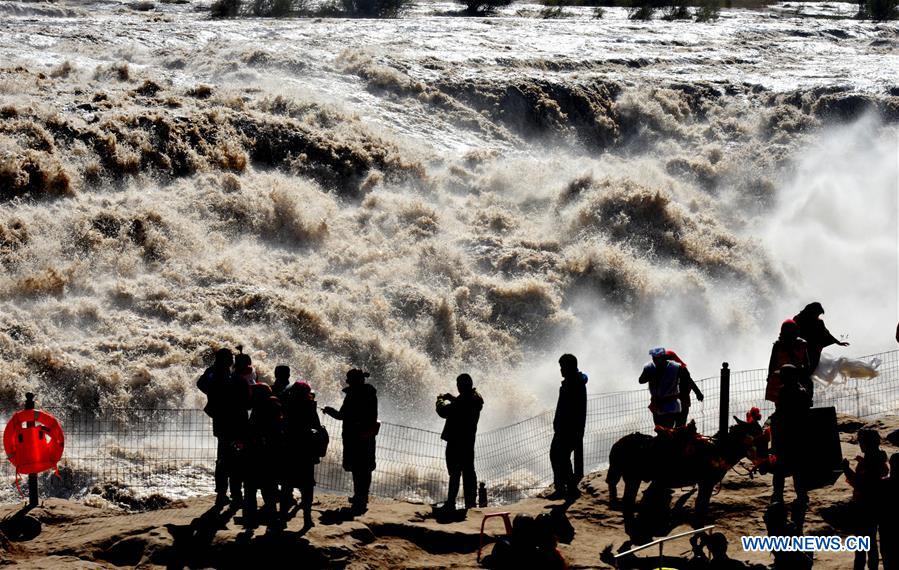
point(680, 458)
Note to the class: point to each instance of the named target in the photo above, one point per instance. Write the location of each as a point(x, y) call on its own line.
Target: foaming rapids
point(418, 215)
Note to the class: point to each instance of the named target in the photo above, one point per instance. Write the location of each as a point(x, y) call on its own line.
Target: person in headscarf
point(687, 385)
point(665, 378)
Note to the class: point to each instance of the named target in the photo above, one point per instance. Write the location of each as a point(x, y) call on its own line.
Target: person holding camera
point(462, 413)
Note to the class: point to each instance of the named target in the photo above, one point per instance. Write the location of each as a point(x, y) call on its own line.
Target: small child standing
point(866, 481)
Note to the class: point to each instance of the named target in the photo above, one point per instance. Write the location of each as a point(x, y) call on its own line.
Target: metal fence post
point(724, 401)
point(32, 477)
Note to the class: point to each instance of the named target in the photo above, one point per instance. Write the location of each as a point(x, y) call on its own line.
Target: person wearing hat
point(665, 378)
point(687, 385)
point(359, 414)
point(302, 448)
point(812, 329)
point(228, 399)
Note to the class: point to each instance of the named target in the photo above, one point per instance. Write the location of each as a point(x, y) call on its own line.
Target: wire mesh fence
point(132, 455)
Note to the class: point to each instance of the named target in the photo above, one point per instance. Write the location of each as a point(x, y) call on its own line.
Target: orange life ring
point(33, 441)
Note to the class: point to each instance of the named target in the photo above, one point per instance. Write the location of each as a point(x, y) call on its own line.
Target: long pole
point(724, 401)
point(32, 477)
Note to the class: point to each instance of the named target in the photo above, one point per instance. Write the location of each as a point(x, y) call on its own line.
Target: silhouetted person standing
point(867, 483)
point(568, 426)
point(462, 413)
point(789, 427)
point(776, 524)
point(665, 378)
point(263, 450)
point(228, 399)
point(359, 414)
point(303, 442)
point(812, 329)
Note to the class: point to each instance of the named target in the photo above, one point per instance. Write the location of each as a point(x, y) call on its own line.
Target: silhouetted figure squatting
point(568, 426)
point(717, 545)
point(812, 329)
point(789, 348)
point(262, 452)
point(789, 433)
point(665, 379)
point(687, 385)
point(228, 399)
point(698, 559)
point(462, 413)
point(889, 521)
point(532, 544)
point(359, 414)
point(305, 443)
point(866, 480)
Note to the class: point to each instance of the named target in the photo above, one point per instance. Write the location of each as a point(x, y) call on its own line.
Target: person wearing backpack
point(306, 442)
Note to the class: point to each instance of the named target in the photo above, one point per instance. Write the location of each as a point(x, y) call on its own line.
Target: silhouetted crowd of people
point(270, 438)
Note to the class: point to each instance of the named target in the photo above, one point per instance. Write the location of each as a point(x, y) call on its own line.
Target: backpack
point(320, 441)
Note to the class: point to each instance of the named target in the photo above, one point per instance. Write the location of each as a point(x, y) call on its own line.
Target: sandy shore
point(393, 534)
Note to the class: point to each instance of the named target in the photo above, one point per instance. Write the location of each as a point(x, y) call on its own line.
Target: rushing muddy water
point(434, 194)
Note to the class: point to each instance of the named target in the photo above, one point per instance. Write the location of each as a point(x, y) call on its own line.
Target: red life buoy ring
point(33, 441)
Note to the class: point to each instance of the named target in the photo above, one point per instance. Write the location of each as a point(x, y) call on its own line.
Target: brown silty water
point(431, 195)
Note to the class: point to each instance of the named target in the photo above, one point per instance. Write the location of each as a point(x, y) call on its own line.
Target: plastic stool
point(508, 523)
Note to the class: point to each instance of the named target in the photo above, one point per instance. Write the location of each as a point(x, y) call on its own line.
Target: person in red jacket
point(790, 349)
